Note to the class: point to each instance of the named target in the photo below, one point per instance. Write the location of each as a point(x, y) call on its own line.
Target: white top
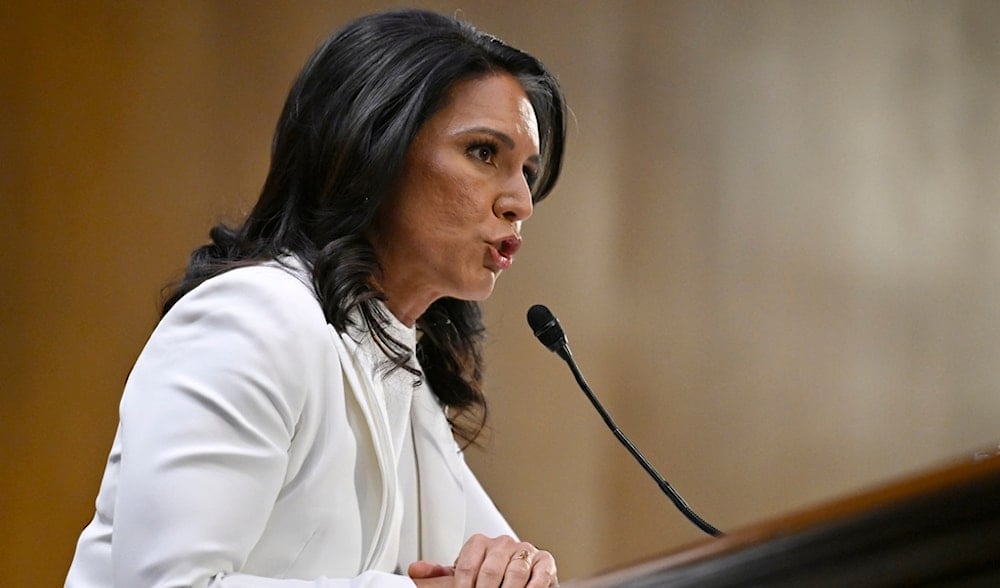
point(259, 447)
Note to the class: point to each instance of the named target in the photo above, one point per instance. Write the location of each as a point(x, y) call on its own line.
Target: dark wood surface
point(940, 528)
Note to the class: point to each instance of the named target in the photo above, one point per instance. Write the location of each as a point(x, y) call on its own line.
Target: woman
point(285, 425)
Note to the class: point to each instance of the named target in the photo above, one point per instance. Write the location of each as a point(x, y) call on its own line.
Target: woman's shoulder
point(277, 295)
point(283, 278)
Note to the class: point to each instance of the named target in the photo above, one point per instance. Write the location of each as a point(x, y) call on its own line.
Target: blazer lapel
point(383, 547)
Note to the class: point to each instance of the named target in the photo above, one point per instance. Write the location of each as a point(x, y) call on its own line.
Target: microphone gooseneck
point(548, 330)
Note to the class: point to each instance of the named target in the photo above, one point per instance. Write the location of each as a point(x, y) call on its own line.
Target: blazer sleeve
point(481, 514)
point(207, 417)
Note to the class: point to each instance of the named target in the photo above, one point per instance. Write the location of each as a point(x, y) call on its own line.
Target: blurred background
point(775, 248)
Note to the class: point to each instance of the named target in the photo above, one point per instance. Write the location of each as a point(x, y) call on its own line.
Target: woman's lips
point(508, 247)
point(502, 253)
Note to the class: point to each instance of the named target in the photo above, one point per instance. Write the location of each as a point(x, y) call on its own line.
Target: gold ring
point(523, 554)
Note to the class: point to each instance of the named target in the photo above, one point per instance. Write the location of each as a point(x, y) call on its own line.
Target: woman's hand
point(486, 563)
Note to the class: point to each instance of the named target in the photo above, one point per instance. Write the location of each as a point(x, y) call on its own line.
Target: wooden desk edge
point(979, 467)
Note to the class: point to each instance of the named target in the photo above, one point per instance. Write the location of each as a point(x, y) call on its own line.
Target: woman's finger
point(470, 560)
point(519, 566)
point(543, 571)
point(428, 569)
point(496, 565)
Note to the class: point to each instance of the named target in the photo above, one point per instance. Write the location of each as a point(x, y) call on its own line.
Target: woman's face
point(453, 220)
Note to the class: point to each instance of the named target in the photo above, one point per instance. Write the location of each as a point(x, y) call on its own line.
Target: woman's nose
point(514, 202)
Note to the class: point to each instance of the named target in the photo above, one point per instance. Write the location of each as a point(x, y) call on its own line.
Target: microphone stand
point(564, 352)
point(548, 331)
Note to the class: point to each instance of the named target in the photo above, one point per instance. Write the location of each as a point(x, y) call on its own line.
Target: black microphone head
point(546, 327)
point(539, 316)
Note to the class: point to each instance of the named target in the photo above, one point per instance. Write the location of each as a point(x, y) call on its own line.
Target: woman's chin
point(482, 291)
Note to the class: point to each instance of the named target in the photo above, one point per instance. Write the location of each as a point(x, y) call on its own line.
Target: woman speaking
point(292, 420)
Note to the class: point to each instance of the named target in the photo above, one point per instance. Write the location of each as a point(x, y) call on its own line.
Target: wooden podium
point(941, 528)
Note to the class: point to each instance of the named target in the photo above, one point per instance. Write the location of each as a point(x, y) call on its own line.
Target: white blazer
point(254, 450)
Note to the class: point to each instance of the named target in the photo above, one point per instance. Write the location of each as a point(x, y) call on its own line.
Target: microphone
point(548, 330)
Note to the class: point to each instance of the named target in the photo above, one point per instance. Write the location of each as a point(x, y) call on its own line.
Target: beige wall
point(776, 248)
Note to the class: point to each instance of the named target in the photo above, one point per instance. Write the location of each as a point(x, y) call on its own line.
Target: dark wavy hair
point(339, 146)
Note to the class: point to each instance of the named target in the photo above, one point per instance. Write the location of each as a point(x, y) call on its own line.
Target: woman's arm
point(207, 420)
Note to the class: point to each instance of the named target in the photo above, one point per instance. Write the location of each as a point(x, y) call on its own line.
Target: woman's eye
point(483, 152)
point(530, 175)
